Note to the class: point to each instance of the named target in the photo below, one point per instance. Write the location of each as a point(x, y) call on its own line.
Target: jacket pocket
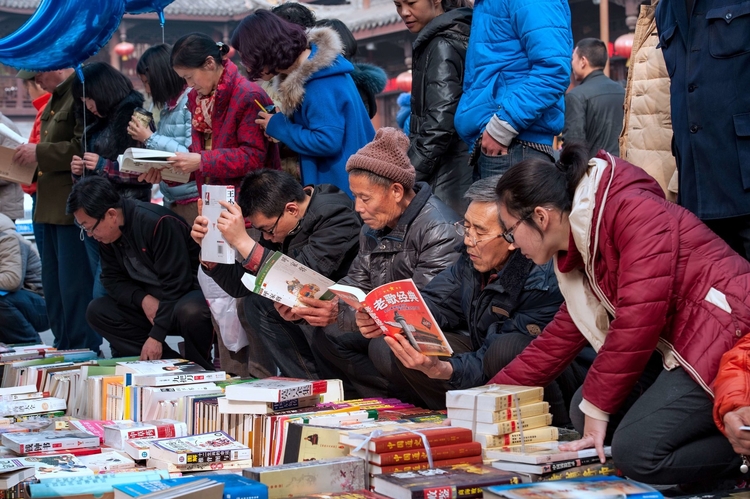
point(742, 129)
point(666, 41)
point(729, 30)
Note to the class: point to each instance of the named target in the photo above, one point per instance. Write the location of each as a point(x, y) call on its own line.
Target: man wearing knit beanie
point(386, 156)
point(408, 234)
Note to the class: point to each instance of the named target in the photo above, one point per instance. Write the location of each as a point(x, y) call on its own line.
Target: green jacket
point(60, 141)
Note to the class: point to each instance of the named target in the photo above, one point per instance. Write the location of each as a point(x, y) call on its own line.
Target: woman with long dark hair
point(658, 295)
point(438, 154)
point(322, 116)
point(109, 102)
point(173, 133)
point(226, 141)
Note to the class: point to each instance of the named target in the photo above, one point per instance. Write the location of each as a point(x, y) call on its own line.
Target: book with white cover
point(285, 280)
point(138, 160)
point(138, 448)
point(167, 372)
point(32, 406)
point(23, 443)
point(61, 465)
point(116, 434)
point(107, 460)
point(202, 448)
point(227, 406)
point(214, 247)
point(275, 389)
point(541, 453)
point(153, 396)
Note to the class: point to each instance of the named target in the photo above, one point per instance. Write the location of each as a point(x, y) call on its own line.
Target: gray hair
point(483, 190)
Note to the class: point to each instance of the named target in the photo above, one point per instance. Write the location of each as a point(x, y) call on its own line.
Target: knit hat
point(386, 156)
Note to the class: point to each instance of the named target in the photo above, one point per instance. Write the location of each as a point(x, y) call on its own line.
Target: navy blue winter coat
point(710, 72)
point(522, 299)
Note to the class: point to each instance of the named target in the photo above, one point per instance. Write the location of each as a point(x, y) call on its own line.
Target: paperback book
point(166, 372)
point(23, 443)
point(541, 453)
point(214, 247)
point(597, 487)
point(203, 448)
point(137, 160)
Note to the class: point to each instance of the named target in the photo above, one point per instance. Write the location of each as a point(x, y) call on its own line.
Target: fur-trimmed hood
point(108, 137)
point(325, 60)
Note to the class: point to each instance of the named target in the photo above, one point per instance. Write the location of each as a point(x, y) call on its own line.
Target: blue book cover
point(235, 486)
point(591, 488)
point(95, 485)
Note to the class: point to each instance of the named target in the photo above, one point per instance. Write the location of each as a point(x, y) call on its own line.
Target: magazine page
point(398, 308)
point(284, 280)
point(354, 297)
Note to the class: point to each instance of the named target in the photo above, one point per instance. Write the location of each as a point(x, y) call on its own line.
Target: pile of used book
point(75, 426)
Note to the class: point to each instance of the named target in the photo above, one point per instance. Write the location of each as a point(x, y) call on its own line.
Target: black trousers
point(127, 328)
point(665, 433)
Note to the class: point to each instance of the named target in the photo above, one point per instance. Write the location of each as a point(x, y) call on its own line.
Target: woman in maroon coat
point(226, 141)
point(639, 275)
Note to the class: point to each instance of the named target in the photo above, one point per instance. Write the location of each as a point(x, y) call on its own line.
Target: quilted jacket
point(238, 144)
point(672, 284)
point(732, 385)
point(174, 134)
point(517, 68)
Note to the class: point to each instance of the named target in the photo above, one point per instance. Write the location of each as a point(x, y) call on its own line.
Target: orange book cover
point(398, 308)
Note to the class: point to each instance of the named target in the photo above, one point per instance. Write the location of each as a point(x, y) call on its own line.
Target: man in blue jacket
point(517, 70)
point(490, 304)
point(706, 46)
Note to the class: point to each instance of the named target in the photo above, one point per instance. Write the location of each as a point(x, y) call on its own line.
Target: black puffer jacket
point(108, 136)
point(423, 243)
point(437, 152)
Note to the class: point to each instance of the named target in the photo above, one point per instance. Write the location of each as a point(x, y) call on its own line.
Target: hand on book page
point(594, 431)
point(318, 313)
point(432, 366)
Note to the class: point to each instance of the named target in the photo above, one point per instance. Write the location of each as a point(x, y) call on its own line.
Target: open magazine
point(397, 307)
point(137, 160)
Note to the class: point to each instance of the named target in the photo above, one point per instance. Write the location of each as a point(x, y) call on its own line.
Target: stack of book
point(546, 462)
point(396, 449)
point(207, 486)
point(204, 452)
point(26, 400)
point(121, 434)
point(502, 415)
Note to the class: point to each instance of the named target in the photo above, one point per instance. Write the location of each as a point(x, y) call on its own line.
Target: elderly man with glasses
point(316, 225)
point(491, 303)
point(149, 270)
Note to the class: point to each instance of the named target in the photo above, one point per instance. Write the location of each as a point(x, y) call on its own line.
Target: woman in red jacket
point(732, 404)
point(226, 141)
point(639, 275)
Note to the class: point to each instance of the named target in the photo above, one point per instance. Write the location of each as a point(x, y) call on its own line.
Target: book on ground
point(227, 406)
point(203, 448)
point(118, 432)
point(137, 160)
point(167, 372)
point(598, 487)
point(541, 469)
point(455, 482)
point(93, 485)
point(47, 467)
point(541, 453)
point(398, 308)
point(49, 440)
point(275, 390)
point(235, 487)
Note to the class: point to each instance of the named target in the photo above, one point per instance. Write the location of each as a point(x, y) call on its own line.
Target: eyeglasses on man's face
point(90, 231)
point(273, 227)
point(463, 230)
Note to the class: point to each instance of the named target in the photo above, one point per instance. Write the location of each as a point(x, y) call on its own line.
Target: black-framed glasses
point(84, 229)
point(508, 234)
point(463, 231)
point(273, 227)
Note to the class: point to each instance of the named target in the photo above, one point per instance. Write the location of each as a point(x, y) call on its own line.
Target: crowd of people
point(570, 269)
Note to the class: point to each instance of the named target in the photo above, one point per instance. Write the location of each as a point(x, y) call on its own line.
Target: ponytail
point(540, 182)
point(192, 50)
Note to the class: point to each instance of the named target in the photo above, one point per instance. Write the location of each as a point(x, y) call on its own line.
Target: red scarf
point(204, 108)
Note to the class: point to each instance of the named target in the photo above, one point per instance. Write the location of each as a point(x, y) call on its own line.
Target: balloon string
point(162, 33)
point(85, 145)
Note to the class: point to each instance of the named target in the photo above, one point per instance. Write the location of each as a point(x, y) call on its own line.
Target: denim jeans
point(24, 315)
point(488, 166)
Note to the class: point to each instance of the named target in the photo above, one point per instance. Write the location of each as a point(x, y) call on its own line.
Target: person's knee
point(502, 351)
point(95, 311)
point(577, 417)
point(628, 446)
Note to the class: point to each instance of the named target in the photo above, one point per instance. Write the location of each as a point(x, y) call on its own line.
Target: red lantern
point(403, 81)
point(124, 49)
point(624, 45)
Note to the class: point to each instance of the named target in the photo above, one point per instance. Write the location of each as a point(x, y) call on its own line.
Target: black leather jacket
point(437, 79)
point(423, 243)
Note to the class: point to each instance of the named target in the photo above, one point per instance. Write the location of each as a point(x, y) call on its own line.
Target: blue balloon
point(61, 34)
point(144, 6)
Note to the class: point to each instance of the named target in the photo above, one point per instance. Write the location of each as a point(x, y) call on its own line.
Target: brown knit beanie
point(386, 156)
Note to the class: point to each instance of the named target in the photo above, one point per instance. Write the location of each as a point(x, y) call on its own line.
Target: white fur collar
point(291, 87)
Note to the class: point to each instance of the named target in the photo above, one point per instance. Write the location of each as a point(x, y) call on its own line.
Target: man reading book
point(491, 303)
point(149, 270)
point(315, 225)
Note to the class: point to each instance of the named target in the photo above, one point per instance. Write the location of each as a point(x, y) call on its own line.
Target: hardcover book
point(345, 474)
point(541, 453)
point(203, 448)
point(460, 481)
point(526, 411)
point(49, 440)
point(117, 433)
point(407, 467)
point(597, 487)
point(399, 439)
point(420, 455)
point(505, 427)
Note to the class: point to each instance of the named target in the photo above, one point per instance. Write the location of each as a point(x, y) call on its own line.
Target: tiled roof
point(380, 13)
